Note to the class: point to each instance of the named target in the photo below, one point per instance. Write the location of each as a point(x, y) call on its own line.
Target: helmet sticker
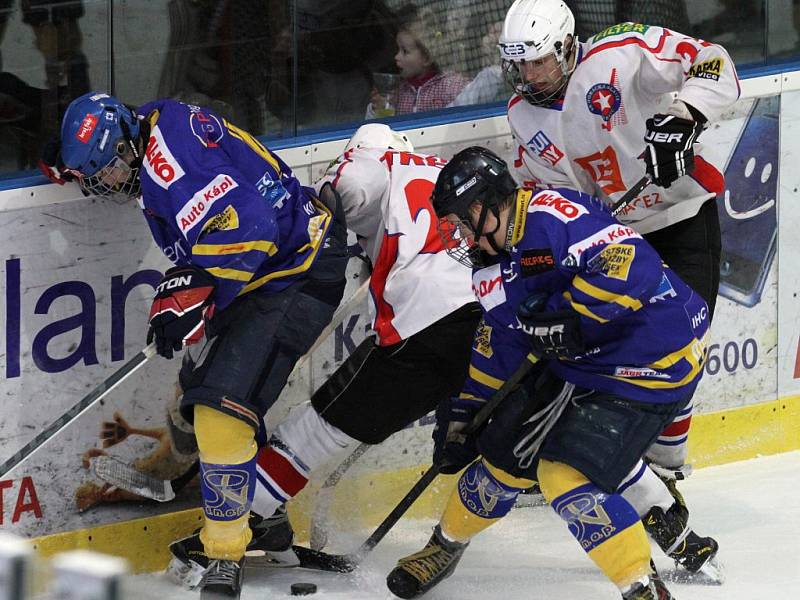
point(85, 131)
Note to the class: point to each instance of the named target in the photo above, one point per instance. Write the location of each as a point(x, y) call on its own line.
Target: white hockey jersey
point(386, 197)
point(592, 140)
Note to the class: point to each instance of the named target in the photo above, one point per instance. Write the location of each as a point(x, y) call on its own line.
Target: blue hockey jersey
point(644, 329)
point(215, 197)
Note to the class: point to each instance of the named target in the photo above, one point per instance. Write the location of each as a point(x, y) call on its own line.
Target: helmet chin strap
point(488, 235)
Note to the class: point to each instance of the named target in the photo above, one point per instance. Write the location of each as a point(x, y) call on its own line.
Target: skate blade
point(187, 576)
point(262, 558)
point(711, 573)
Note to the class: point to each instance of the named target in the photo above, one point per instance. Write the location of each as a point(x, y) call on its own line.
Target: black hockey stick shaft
point(478, 420)
point(630, 195)
point(73, 413)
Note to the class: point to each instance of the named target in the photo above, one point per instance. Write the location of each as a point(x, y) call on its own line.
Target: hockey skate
point(418, 573)
point(673, 535)
point(654, 589)
point(272, 540)
point(222, 579)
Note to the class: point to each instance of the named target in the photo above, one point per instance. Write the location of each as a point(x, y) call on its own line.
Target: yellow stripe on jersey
point(255, 145)
point(314, 245)
point(235, 274)
point(691, 353)
point(521, 203)
point(238, 248)
point(583, 309)
point(470, 397)
point(485, 378)
point(604, 295)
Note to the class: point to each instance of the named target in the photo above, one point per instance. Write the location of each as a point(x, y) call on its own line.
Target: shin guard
point(484, 495)
point(228, 474)
point(606, 525)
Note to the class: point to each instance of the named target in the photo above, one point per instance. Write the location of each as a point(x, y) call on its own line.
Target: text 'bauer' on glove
point(552, 334)
point(669, 154)
point(180, 309)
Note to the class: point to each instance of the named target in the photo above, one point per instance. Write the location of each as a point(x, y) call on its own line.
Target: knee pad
point(221, 437)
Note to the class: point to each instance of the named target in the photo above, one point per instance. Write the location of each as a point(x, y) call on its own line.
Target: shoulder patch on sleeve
point(227, 220)
point(535, 261)
point(613, 261)
point(708, 69)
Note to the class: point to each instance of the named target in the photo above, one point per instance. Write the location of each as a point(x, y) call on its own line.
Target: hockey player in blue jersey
point(621, 347)
point(259, 270)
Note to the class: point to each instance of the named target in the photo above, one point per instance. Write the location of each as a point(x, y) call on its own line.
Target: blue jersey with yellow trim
point(216, 198)
point(644, 329)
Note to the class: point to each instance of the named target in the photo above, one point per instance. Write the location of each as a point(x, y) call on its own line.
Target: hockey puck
point(303, 589)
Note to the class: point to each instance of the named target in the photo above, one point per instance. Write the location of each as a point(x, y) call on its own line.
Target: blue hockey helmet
point(99, 144)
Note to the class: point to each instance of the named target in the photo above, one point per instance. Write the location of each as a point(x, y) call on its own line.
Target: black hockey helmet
point(473, 175)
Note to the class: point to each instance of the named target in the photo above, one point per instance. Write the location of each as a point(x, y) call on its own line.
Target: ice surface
point(750, 507)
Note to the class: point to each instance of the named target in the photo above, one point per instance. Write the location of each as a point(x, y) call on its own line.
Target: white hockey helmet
point(532, 31)
point(379, 135)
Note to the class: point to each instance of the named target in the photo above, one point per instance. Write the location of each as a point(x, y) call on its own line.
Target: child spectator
point(425, 82)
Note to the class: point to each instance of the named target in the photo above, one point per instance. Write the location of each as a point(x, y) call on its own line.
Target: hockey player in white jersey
point(423, 313)
point(596, 116)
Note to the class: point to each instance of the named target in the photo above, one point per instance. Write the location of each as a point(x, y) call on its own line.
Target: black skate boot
point(416, 574)
point(222, 579)
point(673, 535)
point(272, 539)
point(654, 589)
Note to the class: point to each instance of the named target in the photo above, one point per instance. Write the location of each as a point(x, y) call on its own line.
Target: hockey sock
point(483, 496)
point(303, 442)
point(228, 468)
point(606, 525)
point(643, 489)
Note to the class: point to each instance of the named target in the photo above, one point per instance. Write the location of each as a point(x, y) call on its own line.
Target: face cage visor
point(460, 239)
point(552, 84)
point(117, 181)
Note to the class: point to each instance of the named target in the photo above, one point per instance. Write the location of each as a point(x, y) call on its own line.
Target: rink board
point(76, 276)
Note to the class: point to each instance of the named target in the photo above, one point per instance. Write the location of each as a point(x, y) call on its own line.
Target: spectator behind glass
point(421, 52)
point(489, 85)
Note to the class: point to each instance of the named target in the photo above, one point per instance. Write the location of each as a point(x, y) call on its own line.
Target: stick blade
point(130, 479)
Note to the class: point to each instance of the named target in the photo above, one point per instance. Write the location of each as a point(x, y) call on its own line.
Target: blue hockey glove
point(452, 450)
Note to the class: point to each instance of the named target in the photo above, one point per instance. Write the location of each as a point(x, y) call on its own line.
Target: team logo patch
point(613, 261)
point(709, 69)
point(227, 220)
point(483, 340)
point(605, 100)
point(196, 209)
point(86, 129)
point(536, 261)
point(664, 290)
point(545, 149)
point(206, 128)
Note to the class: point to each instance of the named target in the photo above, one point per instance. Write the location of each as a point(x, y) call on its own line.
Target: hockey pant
point(376, 392)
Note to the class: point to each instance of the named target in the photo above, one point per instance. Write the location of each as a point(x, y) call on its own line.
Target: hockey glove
point(669, 154)
point(452, 450)
point(51, 165)
point(181, 306)
point(553, 334)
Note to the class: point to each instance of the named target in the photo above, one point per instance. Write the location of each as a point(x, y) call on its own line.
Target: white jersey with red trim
point(386, 198)
point(592, 140)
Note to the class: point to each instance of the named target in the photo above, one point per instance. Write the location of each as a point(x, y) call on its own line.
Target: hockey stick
point(322, 503)
point(630, 195)
point(127, 477)
point(73, 413)
point(345, 563)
